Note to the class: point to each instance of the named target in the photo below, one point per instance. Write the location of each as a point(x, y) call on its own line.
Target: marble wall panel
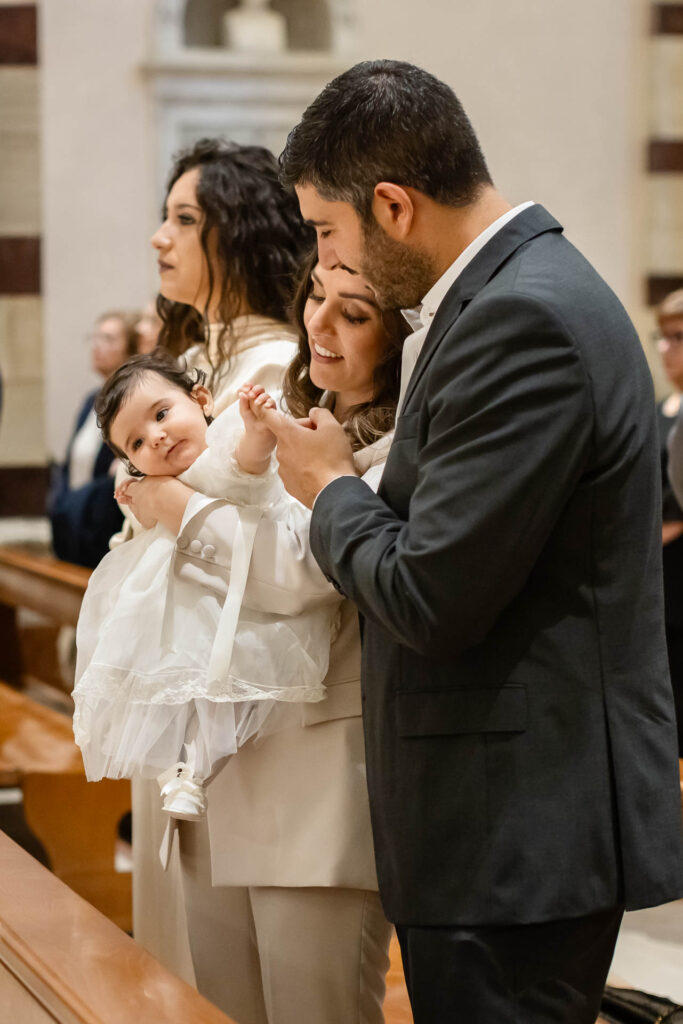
point(665, 254)
point(20, 202)
point(21, 338)
point(666, 87)
point(22, 426)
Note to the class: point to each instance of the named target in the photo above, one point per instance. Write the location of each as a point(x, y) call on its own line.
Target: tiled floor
point(649, 953)
point(396, 1003)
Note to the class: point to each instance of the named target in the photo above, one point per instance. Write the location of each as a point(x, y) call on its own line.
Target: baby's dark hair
point(123, 383)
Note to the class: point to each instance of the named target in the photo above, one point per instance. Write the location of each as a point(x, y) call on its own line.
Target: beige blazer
point(290, 809)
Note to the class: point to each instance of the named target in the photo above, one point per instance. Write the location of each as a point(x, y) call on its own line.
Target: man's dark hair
point(385, 120)
point(123, 383)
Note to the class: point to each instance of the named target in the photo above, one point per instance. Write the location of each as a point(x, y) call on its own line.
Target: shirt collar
point(437, 292)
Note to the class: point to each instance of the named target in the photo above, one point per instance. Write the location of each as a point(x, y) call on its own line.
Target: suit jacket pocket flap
point(449, 712)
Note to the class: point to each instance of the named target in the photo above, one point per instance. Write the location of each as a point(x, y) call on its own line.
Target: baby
point(170, 685)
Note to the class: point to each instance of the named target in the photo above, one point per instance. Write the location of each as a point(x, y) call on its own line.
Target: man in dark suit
point(520, 734)
point(84, 518)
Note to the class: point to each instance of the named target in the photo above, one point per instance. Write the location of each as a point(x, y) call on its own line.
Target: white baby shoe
point(184, 796)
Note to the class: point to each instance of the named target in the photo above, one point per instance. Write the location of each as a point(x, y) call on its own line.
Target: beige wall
point(97, 146)
point(556, 94)
point(555, 90)
point(22, 428)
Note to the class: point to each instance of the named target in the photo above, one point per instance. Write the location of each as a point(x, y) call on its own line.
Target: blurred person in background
point(148, 328)
point(670, 348)
point(82, 510)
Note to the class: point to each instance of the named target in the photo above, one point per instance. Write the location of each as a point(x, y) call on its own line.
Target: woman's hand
point(156, 499)
point(258, 442)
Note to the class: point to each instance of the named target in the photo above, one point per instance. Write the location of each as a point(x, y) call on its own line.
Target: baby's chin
point(182, 466)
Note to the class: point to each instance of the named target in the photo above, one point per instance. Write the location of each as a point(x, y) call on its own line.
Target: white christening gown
point(159, 683)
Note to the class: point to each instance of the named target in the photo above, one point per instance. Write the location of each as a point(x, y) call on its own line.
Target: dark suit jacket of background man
point(84, 518)
point(518, 712)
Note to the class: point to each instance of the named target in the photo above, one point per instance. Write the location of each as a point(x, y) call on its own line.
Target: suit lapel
point(533, 221)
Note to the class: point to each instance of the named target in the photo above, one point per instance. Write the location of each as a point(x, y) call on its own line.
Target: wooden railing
point(76, 821)
point(43, 584)
point(62, 962)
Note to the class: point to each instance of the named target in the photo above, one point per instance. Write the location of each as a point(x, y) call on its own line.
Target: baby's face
point(161, 428)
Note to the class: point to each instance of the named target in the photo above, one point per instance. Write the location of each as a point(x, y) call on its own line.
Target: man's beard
point(399, 275)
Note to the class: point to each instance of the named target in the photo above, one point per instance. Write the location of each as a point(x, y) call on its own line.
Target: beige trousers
point(271, 955)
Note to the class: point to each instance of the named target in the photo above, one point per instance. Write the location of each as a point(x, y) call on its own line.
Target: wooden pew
point(75, 820)
point(62, 961)
point(43, 584)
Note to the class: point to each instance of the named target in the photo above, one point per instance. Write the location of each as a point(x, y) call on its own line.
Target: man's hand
point(311, 452)
point(156, 499)
point(671, 531)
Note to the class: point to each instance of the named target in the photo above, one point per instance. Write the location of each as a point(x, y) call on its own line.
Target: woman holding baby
point(282, 911)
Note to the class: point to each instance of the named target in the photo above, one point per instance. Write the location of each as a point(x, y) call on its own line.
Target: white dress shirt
point(434, 297)
point(84, 450)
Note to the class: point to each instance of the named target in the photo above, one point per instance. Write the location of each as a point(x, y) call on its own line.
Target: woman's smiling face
point(160, 428)
point(346, 335)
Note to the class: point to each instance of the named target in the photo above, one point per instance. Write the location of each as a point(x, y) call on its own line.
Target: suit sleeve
point(83, 519)
point(675, 467)
point(509, 416)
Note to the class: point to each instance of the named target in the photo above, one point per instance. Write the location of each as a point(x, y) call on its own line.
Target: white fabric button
point(209, 551)
point(195, 547)
point(182, 543)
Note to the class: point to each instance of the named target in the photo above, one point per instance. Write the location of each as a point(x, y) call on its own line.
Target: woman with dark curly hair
point(284, 919)
point(228, 250)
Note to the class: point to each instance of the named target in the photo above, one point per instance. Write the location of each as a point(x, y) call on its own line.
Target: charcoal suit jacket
point(519, 724)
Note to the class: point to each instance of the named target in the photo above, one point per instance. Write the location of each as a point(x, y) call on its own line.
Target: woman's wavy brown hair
point(258, 236)
point(370, 420)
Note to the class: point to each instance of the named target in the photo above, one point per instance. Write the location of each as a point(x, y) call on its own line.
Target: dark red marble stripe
point(667, 19)
point(19, 266)
point(23, 490)
point(665, 156)
point(660, 285)
point(18, 34)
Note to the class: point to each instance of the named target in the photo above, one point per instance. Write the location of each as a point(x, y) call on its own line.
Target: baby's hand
point(254, 400)
point(155, 499)
point(258, 442)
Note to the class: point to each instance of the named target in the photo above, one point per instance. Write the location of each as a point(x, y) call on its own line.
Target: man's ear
point(394, 209)
point(204, 397)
